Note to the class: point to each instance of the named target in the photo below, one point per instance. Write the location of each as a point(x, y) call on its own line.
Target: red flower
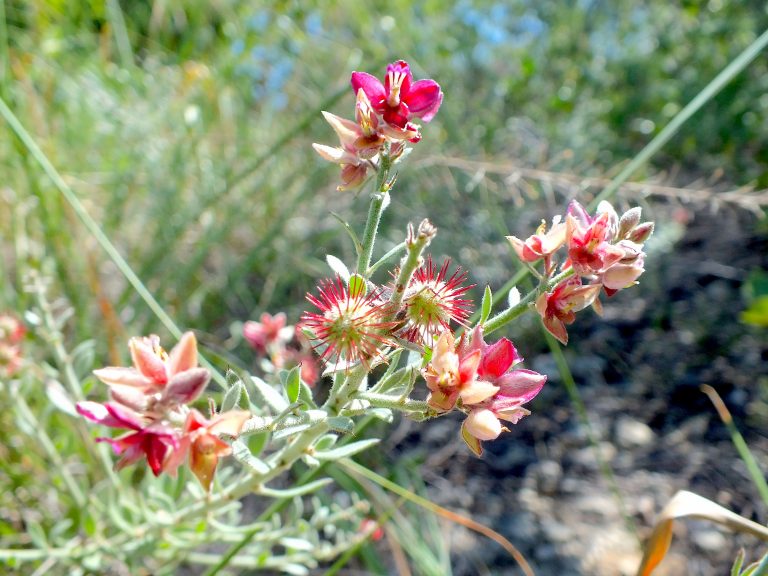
point(351, 326)
point(400, 98)
point(559, 307)
point(155, 440)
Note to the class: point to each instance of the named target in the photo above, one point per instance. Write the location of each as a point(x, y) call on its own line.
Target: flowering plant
point(356, 323)
point(369, 344)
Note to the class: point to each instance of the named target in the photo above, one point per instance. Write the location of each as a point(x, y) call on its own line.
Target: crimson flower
point(559, 307)
point(155, 440)
point(399, 98)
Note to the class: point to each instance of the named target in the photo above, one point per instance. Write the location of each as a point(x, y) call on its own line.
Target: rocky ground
point(639, 371)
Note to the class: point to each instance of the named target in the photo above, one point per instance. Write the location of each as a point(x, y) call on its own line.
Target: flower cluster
point(357, 323)
point(150, 400)
point(283, 347)
point(11, 334)
point(477, 378)
point(383, 121)
point(604, 253)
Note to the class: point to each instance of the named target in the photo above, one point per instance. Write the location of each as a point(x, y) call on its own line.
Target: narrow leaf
point(487, 304)
point(347, 450)
point(296, 490)
point(243, 455)
point(341, 424)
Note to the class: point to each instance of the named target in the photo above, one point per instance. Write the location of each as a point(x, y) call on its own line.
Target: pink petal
point(147, 361)
point(556, 328)
point(186, 386)
point(477, 391)
point(424, 99)
point(131, 397)
point(397, 116)
point(229, 423)
point(521, 385)
point(372, 87)
point(126, 417)
point(98, 413)
point(183, 356)
point(123, 376)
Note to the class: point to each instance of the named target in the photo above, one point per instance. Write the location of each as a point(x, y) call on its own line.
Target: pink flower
point(451, 376)
point(626, 271)
point(540, 245)
point(589, 240)
point(11, 329)
point(271, 330)
point(170, 379)
point(400, 99)
point(433, 300)
point(559, 307)
point(352, 326)
point(513, 388)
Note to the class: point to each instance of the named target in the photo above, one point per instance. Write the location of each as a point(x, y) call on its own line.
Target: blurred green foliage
point(185, 127)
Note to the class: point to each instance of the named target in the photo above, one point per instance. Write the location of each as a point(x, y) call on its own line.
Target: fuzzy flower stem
point(412, 261)
point(379, 201)
point(505, 317)
point(402, 404)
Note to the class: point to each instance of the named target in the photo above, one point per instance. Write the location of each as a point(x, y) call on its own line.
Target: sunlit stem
point(379, 201)
point(403, 404)
point(415, 246)
point(503, 318)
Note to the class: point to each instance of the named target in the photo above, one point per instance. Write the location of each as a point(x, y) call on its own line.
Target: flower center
point(395, 84)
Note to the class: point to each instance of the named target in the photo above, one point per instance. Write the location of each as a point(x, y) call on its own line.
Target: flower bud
point(641, 233)
point(629, 220)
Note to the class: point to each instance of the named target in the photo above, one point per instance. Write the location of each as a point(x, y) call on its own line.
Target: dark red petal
point(424, 99)
point(397, 116)
point(372, 87)
point(497, 359)
point(156, 450)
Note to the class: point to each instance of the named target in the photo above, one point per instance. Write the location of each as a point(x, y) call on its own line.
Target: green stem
point(415, 246)
point(758, 479)
point(402, 404)
point(379, 201)
point(505, 317)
